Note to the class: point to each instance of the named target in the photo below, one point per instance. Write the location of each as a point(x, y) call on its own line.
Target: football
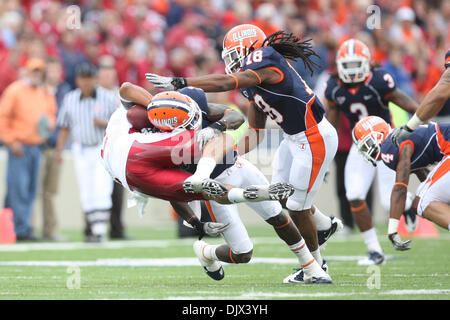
point(137, 116)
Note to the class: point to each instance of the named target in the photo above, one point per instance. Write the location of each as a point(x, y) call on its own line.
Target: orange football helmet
point(368, 135)
point(353, 61)
point(237, 43)
point(172, 110)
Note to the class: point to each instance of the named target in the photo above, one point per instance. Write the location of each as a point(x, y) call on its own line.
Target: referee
point(84, 116)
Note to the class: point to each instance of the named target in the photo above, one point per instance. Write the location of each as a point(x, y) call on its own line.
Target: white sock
point(448, 227)
point(209, 252)
point(371, 240)
point(322, 221)
point(316, 254)
point(302, 253)
point(205, 167)
point(236, 195)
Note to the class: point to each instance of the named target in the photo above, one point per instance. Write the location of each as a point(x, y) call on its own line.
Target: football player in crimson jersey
point(360, 91)
point(260, 67)
point(430, 106)
point(427, 145)
point(189, 109)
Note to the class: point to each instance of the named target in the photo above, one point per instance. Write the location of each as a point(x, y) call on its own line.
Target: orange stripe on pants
point(441, 171)
point(316, 143)
point(208, 205)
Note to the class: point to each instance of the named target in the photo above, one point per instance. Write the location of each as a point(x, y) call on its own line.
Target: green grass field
point(157, 265)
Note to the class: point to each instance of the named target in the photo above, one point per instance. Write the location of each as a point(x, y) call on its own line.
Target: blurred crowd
point(127, 38)
point(184, 37)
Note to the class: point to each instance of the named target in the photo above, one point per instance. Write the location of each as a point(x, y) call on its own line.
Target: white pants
point(303, 160)
point(241, 175)
point(94, 182)
point(436, 186)
point(359, 176)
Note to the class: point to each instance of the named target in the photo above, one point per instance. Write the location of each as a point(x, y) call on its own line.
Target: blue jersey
point(369, 99)
point(198, 95)
point(430, 142)
point(288, 101)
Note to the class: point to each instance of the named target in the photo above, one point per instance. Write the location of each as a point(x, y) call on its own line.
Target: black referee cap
point(85, 69)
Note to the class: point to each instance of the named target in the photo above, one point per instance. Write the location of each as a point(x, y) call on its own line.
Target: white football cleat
point(311, 274)
point(276, 191)
point(213, 268)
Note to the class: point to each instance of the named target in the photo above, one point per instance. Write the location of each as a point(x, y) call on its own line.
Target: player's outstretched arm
point(215, 82)
point(435, 99)
point(430, 107)
point(398, 196)
point(131, 94)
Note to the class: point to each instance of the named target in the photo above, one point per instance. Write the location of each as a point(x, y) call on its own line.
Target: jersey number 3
point(359, 108)
point(273, 113)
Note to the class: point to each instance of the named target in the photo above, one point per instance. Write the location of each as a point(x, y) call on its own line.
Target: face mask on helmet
point(353, 70)
point(370, 147)
point(233, 59)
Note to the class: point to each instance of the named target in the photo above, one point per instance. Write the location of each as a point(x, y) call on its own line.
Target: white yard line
point(284, 295)
point(52, 246)
point(156, 262)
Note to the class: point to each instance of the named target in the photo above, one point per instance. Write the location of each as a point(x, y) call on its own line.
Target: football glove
point(166, 83)
point(398, 243)
point(213, 229)
point(205, 135)
point(400, 133)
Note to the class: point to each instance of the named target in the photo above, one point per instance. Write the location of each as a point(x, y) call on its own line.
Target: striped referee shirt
point(78, 113)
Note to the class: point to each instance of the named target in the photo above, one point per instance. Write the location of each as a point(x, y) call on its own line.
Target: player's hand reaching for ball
point(166, 83)
point(398, 243)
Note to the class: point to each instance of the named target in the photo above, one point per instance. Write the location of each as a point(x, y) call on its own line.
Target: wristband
point(179, 83)
point(414, 122)
point(393, 225)
point(219, 125)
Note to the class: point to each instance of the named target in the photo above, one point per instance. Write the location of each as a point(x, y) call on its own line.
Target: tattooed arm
point(436, 98)
point(398, 195)
point(430, 107)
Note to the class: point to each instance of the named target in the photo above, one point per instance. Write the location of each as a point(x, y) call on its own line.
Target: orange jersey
point(21, 109)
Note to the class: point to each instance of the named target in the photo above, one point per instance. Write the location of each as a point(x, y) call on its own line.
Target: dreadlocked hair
point(292, 48)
